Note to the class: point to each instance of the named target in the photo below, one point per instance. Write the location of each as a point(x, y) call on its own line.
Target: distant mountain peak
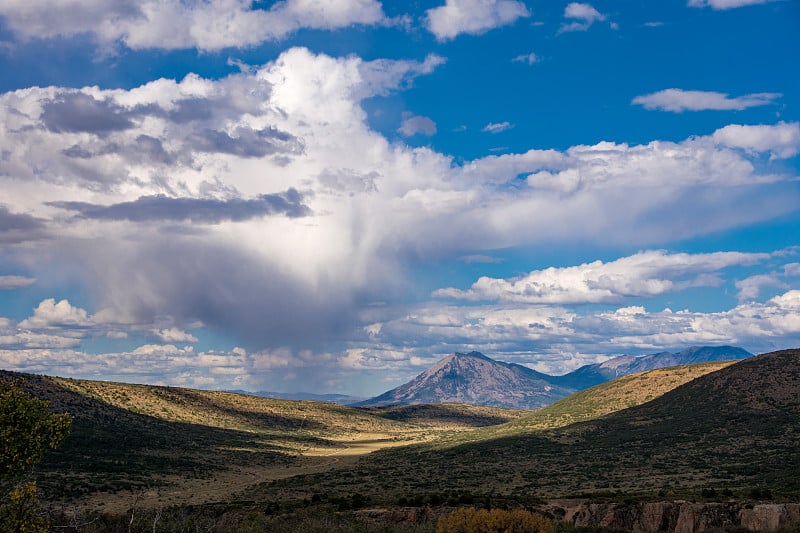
point(477, 379)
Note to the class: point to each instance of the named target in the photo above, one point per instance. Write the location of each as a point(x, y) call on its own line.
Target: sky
point(330, 195)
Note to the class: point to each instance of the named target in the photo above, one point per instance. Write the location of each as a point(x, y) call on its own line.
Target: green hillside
point(621, 393)
point(733, 430)
point(198, 446)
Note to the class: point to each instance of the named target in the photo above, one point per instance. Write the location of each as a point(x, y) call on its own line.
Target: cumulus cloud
point(172, 24)
point(750, 288)
point(585, 14)
point(473, 17)
point(555, 339)
point(172, 335)
point(79, 112)
point(415, 124)
point(725, 4)
point(50, 313)
point(782, 141)
point(645, 274)
point(679, 100)
point(372, 210)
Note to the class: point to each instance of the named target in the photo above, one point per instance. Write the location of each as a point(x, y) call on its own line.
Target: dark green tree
point(27, 430)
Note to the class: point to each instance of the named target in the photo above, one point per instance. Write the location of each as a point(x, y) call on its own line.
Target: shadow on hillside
point(112, 449)
point(735, 429)
point(439, 414)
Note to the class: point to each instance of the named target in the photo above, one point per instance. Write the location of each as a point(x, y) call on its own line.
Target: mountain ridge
point(476, 378)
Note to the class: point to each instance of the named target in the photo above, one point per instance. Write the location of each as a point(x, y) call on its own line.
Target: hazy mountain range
point(476, 379)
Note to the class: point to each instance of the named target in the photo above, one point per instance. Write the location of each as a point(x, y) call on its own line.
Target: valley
point(693, 432)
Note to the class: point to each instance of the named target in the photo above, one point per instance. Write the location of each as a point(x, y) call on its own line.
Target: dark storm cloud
point(224, 286)
point(153, 149)
point(201, 210)
point(142, 150)
point(78, 112)
point(247, 142)
point(191, 109)
point(17, 227)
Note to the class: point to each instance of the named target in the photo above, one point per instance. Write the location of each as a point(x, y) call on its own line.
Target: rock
point(682, 517)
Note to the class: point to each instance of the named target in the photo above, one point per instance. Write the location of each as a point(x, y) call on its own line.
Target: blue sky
point(329, 196)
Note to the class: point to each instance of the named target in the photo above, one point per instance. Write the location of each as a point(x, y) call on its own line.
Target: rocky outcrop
point(683, 517)
point(770, 517)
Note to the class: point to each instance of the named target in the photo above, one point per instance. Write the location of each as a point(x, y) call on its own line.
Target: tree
point(27, 430)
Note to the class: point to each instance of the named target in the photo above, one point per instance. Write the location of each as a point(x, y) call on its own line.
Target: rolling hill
point(731, 428)
point(735, 429)
point(595, 374)
point(621, 393)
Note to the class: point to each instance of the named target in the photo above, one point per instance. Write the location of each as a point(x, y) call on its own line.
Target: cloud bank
point(264, 205)
point(172, 24)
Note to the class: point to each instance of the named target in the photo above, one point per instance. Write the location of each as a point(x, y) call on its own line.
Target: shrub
point(471, 520)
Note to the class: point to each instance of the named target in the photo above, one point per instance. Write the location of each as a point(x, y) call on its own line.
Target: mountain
point(733, 431)
point(476, 379)
point(595, 374)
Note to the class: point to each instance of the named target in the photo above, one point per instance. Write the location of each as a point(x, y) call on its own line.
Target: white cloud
point(472, 16)
point(172, 24)
point(585, 14)
point(76, 158)
point(557, 340)
point(725, 4)
point(530, 58)
point(679, 100)
point(645, 274)
point(171, 335)
point(15, 282)
point(51, 314)
point(791, 269)
point(498, 127)
point(781, 140)
point(415, 124)
point(750, 288)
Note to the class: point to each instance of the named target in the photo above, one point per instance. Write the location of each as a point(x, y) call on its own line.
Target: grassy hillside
point(197, 446)
point(448, 415)
point(621, 393)
point(734, 430)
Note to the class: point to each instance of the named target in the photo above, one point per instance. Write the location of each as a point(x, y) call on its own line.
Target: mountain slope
point(621, 393)
point(595, 374)
point(734, 429)
point(476, 379)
